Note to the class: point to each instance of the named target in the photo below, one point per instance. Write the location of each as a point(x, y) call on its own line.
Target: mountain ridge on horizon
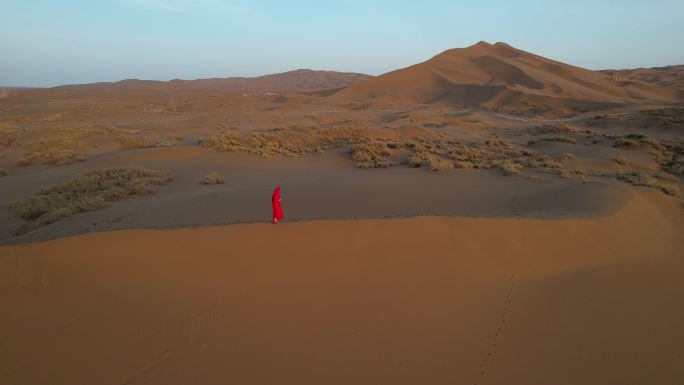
point(299, 80)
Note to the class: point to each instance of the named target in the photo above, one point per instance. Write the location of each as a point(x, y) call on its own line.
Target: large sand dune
point(499, 76)
point(428, 300)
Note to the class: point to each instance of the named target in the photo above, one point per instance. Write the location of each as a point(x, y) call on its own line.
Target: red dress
point(277, 208)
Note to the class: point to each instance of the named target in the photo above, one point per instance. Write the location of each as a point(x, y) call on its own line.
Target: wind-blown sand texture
point(423, 300)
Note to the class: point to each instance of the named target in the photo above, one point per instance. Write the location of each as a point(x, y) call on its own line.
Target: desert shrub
point(669, 116)
point(54, 151)
point(626, 143)
point(675, 166)
point(567, 173)
point(419, 159)
point(8, 136)
point(622, 161)
point(511, 168)
point(645, 178)
point(486, 155)
point(131, 139)
point(666, 177)
point(289, 142)
point(669, 154)
point(212, 178)
point(559, 139)
point(463, 164)
point(548, 129)
point(557, 129)
point(371, 154)
point(544, 162)
point(429, 158)
point(85, 192)
point(568, 156)
point(439, 164)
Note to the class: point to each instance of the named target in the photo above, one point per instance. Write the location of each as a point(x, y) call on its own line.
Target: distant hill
point(501, 77)
point(302, 80)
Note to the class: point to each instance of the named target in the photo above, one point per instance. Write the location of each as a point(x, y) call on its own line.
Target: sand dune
point(669, 76)
point(424, 300)
point(302, 80)
point(498, 76)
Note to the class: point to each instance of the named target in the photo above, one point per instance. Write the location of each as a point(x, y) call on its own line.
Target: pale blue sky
point(52, 42)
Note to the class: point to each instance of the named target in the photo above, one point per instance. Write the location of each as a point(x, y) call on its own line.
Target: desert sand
point(488, 216)
point(436, 300)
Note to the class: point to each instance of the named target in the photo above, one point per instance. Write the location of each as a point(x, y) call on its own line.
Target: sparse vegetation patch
point(85, 192)
point(212, 178)
point(511, 168)
point(644, 178)
point(131, 139)
point(8, 136)
point(55, 151)
point(559, 129)
point(559, 139)
point(626, 143)
point(622, 161)
point(290, 142)
point(371, 154)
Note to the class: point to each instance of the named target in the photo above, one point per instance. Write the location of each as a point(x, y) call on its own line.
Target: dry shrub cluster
point(85, 192)
point(58, 146)
point(289, 142)
point(559, 139)
point(429, 156)
point(212, 178)
point(440, 154)
point(669, 153)
point(371, 154)
point(660, 181)
point(511, 168)
point(567, 173)
point(670, 116)
point(511, 158)
point(54, 151)
point(131, 139)
point(622, 161)
point(560, 129)
point(625, 143)
point(9, 136)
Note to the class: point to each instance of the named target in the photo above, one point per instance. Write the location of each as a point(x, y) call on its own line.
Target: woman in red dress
point(277, 208)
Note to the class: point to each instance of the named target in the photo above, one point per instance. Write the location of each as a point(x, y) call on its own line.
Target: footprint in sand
point(504, 316)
